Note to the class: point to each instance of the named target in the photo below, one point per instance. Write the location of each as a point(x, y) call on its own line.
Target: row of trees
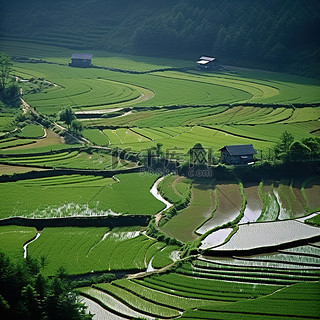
point(26, 294)
point(288, 149)
point(9, 90)
point(277, 34)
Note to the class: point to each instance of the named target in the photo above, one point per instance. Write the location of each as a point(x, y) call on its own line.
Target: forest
point(275, 35)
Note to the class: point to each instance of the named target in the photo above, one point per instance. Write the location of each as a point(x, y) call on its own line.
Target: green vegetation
point(84, 195)
point(175, 189)
point(84, 250)
point(73, 159)
point(128, 107)
point(12, 239)
point(27, 294)
point(270, 210)
point(11, 142)
point(294, 302)
point(32, 131)
point(96, 136)
point(179, 29)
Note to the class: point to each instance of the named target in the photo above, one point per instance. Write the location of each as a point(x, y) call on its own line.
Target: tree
point(314, 144)
point(5, 70)
point(11, 95)
point(31, 305)
point(299, 151)
point(76, 126)
point(159, 151)
point(283, 146)
point(26, 294)
point(66, 115)
point(198, 155)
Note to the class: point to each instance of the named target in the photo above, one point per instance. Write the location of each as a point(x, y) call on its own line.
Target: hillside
point(275, 35)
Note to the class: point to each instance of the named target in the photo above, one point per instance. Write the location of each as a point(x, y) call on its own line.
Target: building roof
point(209, 59)
point(240, 149)
point(203, 61)
point(83, 56)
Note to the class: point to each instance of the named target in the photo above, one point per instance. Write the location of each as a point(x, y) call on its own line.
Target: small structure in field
point(81, 60)
point(208, 63)
point(237, 154)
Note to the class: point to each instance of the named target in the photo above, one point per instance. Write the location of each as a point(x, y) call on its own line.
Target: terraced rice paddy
point(52, 141)
point(196, 291)
point(73, 159)
point(12, 239)
point(6, 122)
point(169, 111)
point(200, 208)
point(85, 250)
point(229, 204)
point(266, 235)
point(79, 195)
point(175, 188)
point(32, 131)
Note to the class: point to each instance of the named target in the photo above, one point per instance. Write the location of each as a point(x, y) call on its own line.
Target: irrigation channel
point(25, 252)
point(155, 192)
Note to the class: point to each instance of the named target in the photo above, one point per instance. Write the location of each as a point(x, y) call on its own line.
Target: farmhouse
point(237, 154)
point(81, 60)
point(207, 63)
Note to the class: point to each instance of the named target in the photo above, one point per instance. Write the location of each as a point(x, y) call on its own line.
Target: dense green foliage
point(9, 91)
point(274, 34)
point(26, 294)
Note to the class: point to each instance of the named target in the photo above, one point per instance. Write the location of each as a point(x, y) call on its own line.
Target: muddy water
point(284, 212)
point(215, 238)
point(312, 191)
point(98, 311)
point(229, 205)
point(254, 204)
point(300, 203)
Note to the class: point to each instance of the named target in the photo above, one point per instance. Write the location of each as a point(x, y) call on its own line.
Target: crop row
point(138, 303)
point(82, 92)
point(74, 180)
point(248, 264)
point(115, 308)
point(247, 275)
point(82, 250)
point(205, 288)
point(15, 142)
point(73, 159)
point(292, 302)
point(12, 239)
point(130, 195)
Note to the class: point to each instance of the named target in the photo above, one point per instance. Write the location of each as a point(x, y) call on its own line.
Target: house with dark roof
point(237, 154)
point(81, 60)
point(207, 63)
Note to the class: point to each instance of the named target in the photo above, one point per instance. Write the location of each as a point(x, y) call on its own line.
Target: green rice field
point(84, 250)
point(79, 195)
point(216, 248)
